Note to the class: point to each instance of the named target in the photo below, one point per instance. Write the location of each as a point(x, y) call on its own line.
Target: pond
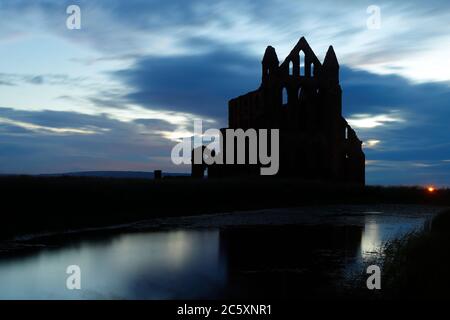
point(226, 261)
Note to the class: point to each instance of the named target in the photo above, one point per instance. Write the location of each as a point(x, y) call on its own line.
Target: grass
point(417, 266)
point(35, 204)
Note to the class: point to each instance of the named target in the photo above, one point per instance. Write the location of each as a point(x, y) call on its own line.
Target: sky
point(121, 91)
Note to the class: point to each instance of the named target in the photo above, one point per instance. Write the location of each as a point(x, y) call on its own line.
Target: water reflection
point(371, 241)
point(288, 261)
point(158, 265)
point(378, 230)
point(235, 262)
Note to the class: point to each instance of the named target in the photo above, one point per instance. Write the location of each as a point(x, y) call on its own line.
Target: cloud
point(371, 121)
point(197, 84)
point(11, 79)
point(372, 143)
point(49, 130)
point(38, 145)
point(409, 31)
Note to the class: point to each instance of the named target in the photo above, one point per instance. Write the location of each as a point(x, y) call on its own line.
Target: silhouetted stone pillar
point(157, 174)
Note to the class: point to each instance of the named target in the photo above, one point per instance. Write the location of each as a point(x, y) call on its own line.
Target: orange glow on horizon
point(431, 189)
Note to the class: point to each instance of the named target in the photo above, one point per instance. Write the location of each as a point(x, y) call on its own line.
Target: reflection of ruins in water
point(288, 261)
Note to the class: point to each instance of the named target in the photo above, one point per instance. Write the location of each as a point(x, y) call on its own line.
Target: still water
point(231, 262)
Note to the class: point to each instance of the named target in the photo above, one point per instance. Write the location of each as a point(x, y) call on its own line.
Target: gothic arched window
point(302, 63)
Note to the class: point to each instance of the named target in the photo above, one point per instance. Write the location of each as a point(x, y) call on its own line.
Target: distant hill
point(115, 174)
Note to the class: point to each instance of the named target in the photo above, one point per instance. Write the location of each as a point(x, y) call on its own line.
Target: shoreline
point(335, 215)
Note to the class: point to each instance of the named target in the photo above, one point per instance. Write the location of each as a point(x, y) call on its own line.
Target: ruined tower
point(303, 98)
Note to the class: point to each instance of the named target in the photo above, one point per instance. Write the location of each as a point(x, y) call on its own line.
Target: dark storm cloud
point(367, 92)
point(424, 109)
point(199, 84)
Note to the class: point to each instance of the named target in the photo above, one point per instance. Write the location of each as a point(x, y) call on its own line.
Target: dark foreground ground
point(40, 204)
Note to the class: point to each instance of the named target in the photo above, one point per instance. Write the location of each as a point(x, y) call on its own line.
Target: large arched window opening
point(302, 63)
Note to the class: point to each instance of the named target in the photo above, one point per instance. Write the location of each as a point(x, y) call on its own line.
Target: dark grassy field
point(32, 204)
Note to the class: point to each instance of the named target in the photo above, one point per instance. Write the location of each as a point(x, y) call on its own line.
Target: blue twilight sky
point(119, 93)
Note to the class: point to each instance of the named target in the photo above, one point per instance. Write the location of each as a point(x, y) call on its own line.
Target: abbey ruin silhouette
point(303, 99)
